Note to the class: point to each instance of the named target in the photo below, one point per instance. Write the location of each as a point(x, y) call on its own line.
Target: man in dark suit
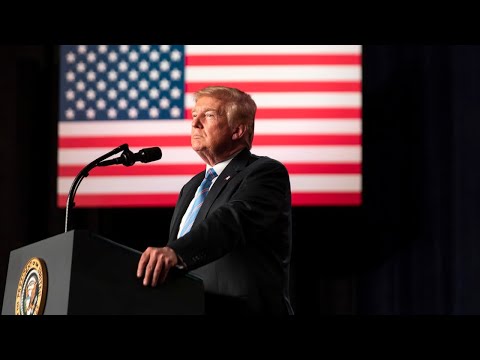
point(232, 223)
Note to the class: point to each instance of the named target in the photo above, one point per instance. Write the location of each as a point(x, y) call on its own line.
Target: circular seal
point(32, 288)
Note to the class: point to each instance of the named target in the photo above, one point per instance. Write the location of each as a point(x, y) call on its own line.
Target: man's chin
point(197, 146)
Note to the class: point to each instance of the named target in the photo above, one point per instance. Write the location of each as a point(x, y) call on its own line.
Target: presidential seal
point(32, 288)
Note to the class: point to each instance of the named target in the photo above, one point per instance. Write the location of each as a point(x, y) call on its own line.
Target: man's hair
point(238, 107)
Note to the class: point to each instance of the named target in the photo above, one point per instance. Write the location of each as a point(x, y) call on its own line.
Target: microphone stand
point(83, 174)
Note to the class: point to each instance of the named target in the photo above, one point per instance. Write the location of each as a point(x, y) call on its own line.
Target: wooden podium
point(87, 274)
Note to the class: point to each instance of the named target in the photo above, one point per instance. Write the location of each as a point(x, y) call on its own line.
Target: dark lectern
point(89, 274)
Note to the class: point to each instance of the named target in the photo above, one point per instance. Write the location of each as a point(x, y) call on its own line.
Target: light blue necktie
point(202, 192)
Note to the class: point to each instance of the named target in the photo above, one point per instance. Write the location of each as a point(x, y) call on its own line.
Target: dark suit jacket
point(240, 242)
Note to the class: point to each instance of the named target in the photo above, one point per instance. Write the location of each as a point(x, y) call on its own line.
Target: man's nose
point(196, 122)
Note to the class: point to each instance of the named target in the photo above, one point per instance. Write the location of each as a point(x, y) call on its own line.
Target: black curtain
point(411, 248)
point(422, 132)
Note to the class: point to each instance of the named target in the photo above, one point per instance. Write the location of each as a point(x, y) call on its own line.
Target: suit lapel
point(237, 164)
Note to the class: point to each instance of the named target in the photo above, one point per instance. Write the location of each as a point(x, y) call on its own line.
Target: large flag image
point(309, 117)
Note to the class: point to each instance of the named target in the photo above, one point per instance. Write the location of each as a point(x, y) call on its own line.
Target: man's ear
point(239, 132)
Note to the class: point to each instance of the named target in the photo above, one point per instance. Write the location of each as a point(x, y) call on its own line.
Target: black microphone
point(128, 158)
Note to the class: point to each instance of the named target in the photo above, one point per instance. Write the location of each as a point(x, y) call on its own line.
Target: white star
point(143, 84)
point(80, 86)
point(133, 94)
point(175, 112)
point(70, 114)
point(112, 94)
point(144, 48)
point(70, 76)
point(164, 84)
point(164, 103)
point(154, 93)
point(164, 65)
point(102, 49)
point(143, 66)
point(112, 56)
point(91, 57)
point(91, 113)
point(70, 57)
point(175, 74)
point(175, 93)
point(123, 85)
point(122, 66)
point(101, 66)
point(154, 55)
point(112, 75)
point(80, 104)
point(154, 75)
point(153, 112)
point(132, 113)
point(112, 113)
point(133, 56)
point(143, 103)
point(133, 75)
point(101, 85)
point(81, 67)
point(176, 55)
point(165, 48)
point(91, 76)
point(91, 94)
point(101, 104)
point(82, 49)
point(122, 104)
point(70, 95)
point(124, 49)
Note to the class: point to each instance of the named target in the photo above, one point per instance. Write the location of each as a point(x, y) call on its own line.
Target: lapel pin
point(227, 178)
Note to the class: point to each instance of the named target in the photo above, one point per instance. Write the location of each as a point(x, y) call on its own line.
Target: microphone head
point(150, 154)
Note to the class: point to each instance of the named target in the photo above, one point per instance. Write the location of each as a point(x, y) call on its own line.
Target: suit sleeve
point(261, 200)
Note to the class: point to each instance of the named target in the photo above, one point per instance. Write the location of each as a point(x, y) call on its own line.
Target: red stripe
point(150, 141)
point(350, 168)
point(281, 86)
point(303, 113)
point(307, 140)
point(136, 170)
point(232, 60)
point(169, 200)
point(132, 141)
point(314, 113)
point(122, 200)
point(191, 169)
point(326, 199)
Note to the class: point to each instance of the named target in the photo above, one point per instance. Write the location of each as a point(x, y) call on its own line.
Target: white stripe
point(271, 49)
point(273, 73)
point(326, 183)
point(182, 127)
point(125, 184)
point(287, 100)
point(308, 127)
point(124, 128)
point(172, 184)
point(185, 155)
point(311, 154)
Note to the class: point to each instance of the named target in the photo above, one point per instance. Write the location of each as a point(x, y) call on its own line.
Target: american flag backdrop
point(309, 117)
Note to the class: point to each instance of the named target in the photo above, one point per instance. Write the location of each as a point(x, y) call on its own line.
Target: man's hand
point(155, 264)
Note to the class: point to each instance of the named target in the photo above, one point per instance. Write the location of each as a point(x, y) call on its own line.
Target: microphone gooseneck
point(127, 158)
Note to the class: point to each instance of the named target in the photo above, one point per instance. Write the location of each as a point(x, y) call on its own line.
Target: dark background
point(412, 247)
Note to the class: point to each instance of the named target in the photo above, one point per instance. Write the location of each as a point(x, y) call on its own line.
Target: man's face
point(210, 131)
